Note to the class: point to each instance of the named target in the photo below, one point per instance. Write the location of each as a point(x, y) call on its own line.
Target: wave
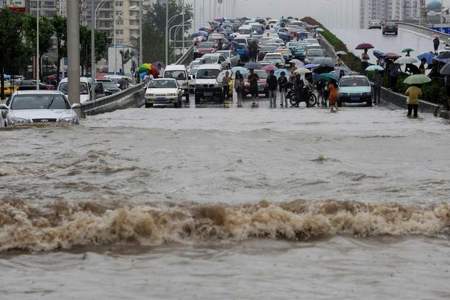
point(61, 225)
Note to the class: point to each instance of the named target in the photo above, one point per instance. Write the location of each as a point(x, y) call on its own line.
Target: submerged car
point(206, 84)
point(355, 89)
point(375, 24)
point(163, 92)
point(39, 107)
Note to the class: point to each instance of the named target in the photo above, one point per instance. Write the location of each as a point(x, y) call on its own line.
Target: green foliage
point(60, 30)
point(46, 32)
point(435, 92)
point(154, 28)
point(101, 47)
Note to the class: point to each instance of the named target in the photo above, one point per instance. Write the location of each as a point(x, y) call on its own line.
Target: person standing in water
point(253, 80)
point(283, 85)
point(413, 93)
point(272, 85)
point(332, 95)
point(238, 86)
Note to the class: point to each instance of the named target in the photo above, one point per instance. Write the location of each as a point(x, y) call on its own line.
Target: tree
point(101, 47)
point(45, 34)
point(11, 44)
point(60, 29)
point(154, 28)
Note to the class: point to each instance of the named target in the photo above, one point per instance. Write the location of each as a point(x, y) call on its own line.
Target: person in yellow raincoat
point(413, 93)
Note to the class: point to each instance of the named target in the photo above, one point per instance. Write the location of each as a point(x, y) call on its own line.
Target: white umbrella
point(406, 60)
point(302, 71)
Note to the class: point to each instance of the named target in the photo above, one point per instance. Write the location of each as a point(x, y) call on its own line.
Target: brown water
point(227, 204)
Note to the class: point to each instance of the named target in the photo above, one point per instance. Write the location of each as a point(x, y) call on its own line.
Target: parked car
point(30, 85)
point(355, 89)
point(204, 48)
point(262, 83)
point(214, 58)
point(314, 55)
point(179, 73)
point(86, 85)
point(375, 24)
point(390, 28)
point(232, 58)
point(38, 107)
point(163, 92)
point(206, 84)
point(274, 58)
point(109, 87)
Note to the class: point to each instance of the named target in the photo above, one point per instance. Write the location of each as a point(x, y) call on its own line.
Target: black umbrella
point(445, 70)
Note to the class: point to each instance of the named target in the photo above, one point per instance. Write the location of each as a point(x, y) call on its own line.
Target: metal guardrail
point(131, 97)
point(423, 30)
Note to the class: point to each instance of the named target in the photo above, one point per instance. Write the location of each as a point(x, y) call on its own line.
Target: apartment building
point(389, 10)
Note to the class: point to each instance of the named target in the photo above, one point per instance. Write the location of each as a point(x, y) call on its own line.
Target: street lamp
point(93, 28)
point(167, 32)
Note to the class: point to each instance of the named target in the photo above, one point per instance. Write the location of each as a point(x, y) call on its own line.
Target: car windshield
point(272, 56)
point(163, 84)
point(51, 101)
point(207, 73)
point(241, 41)
point(245, 31)
point(356, 81)
point(206, 45)
point(315, 52)
point(64, 88)
point(390, 24)
point(210, 59)
point(108, 84)
point(176, 74)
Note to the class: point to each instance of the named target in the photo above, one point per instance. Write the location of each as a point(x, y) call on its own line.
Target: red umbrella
point(391, 55)
point(364, 46)
point(269, 68)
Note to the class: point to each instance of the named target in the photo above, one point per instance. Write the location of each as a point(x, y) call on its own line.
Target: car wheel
point(339, 103)
point(148, 105)
point(369, 103)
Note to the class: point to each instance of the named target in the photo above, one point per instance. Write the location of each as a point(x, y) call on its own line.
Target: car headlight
point(71, 120)
point(19, 121)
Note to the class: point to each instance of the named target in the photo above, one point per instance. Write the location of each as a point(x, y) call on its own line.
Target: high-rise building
point(401, 10)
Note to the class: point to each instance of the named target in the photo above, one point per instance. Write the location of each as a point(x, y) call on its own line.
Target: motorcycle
point(309, 97)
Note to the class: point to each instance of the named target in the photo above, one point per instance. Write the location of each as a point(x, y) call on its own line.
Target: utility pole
point(167, 33)
point(93, 58)
point(141, 57)
point(38, 57)
point(73, 49)
point(182, 34)
point(114, 37)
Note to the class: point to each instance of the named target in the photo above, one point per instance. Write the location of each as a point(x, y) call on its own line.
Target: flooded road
point(217, 203)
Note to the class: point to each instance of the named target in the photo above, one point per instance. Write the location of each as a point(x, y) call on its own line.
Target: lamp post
point(141, 33)
point(167, 32)
point(93, 58)
point(38, 10)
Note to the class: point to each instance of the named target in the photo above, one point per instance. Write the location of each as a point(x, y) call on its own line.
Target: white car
point(214, 58)
point(163, 92)
point(86, 85)
point(375, 24)
point(39, 107)
point(206, 84)
point(179, 72)
point(274, 58)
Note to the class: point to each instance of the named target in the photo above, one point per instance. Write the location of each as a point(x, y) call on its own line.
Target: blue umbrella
point(203, 29)
point(428, 56)
point(328, 76)
point(279, 71)
point(442, 60)
point(311, 66)
point(204, 33)
point(378, 54)
point(241, 70)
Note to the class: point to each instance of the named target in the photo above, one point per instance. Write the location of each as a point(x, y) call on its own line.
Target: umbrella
point(408, 51)
point(328, 76)
point(378, 54)
point(296, 61)
point(373, 68)
point(252, 65)
point(442, 60)
point(279, 71)
point(341, 53)
point(269, 68)
point(406, 60)
point(241, 70)
point(323, 69)
point(417, 79)
point(324, 62)
point(204, 29)
point(320, 29)
point(364, 46)
point(428, 56)
point(312, 66)
point(444, 55)
point(445, 70)
point(302, 71)
point(391, 55)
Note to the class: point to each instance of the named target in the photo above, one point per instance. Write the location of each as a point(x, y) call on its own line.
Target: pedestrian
point(272, 85)
point(253, 81)
point(394, 72)
point(413, 93)
point(238, 86)
point(283, 86)
point(332, 95)
point(299, 87)
point(365, 60)
point(422, 68)
point(377, 83)
point(320, 85)
point(226, 85)
point(436, 43)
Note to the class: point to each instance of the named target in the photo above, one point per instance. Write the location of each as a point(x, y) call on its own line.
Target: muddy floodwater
point(216, 203)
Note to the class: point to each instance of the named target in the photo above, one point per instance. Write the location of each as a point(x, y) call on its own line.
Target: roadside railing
point(423, 30)
point(131, 97)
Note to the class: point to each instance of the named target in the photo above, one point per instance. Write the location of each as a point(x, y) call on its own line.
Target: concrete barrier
point(423, 30)
point(400, 100)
